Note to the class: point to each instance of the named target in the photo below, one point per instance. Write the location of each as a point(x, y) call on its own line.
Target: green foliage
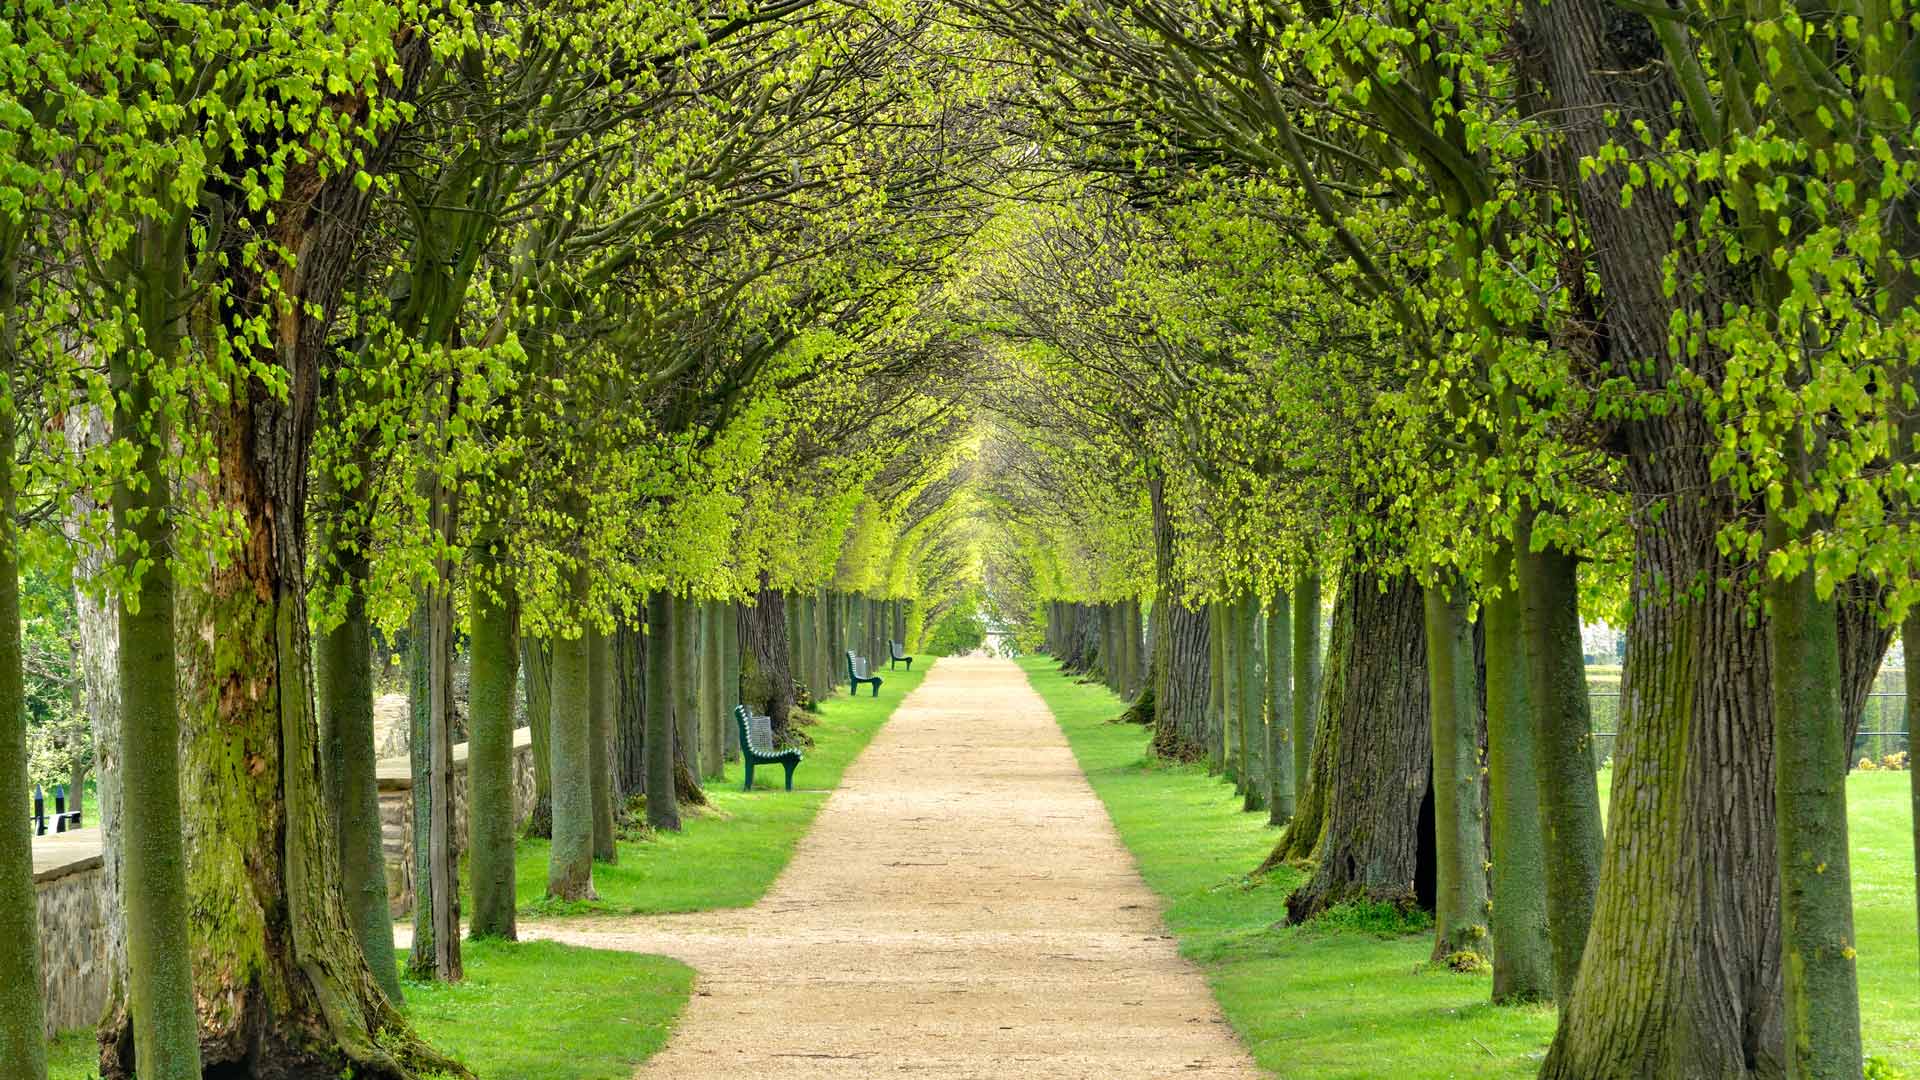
point(958, 632)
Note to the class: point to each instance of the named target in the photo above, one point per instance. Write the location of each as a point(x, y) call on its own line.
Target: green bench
point(858, 672)
point(899, 651)
point(756, 745)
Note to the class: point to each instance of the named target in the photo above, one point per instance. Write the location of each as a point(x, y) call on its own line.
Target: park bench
point(756, 745)
point(899, 651)
point(858, 672)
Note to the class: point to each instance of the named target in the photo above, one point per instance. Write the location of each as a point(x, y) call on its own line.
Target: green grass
point(1352, 995)
point(526, 1011)
point(539, 1010)
point(730, 853)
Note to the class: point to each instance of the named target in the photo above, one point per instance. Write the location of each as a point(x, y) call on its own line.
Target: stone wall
point(396, 812)
point(73, 943)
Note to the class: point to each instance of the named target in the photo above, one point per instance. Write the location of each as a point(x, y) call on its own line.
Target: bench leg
point(749, 784)
point(909, 663)
point(876, 688)
point(790, 766)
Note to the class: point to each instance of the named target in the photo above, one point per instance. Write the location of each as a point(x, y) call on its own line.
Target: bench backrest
point(756, 732)
point(899, 648)
point(857, 667)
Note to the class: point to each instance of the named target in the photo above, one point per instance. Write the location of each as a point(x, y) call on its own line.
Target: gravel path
point(961, 908)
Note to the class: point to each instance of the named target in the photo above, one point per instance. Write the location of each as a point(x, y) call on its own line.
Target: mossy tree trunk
point(602, 702)
point(22, 1013)
point(1377, 841)
point(162, 1037)
point(1523, 957)
point(1460, 904)
point(1277, 680)
point(1568, 829)
point(490, 832)
point(536, 658)
point(570, 855)
point(663, 810)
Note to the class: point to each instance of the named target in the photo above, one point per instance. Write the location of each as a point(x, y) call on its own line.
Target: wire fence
point(1883, 727)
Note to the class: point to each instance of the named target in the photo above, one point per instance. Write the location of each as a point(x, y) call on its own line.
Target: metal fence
point(1883, 727)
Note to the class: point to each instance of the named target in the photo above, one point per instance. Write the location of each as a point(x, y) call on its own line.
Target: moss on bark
point(1460, 905)
point(1523, 968)
point(490, 833)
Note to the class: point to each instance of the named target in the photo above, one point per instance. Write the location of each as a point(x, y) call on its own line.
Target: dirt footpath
point(961, 908)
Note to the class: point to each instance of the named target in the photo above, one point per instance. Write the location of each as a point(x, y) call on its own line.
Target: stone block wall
point(396, 813)
point(73, 944)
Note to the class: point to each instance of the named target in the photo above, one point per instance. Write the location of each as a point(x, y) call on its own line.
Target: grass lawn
point(1352, 995)
point(527, 1011)
point(730, 853)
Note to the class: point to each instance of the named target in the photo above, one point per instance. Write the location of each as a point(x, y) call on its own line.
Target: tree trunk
point(1681, 975)
point(1910, 642)
point(663, 810)
point(766, 686)
point(442, 900)
point(1253, 731)
point(1378, 840)
point(22, 1039)
point(1460, 903)
point(1810, 821)
point(490, 836)
point(164, 1036)
point(1303, 835)
point(536, 657)
point(570, 856)
point(686, 700)
point(1180, 654)
point(1218, 635)
point(1306, 680)
point(1278, 629)
point(730, 674)
point(343, 674)
point(601, 703)
point(1568, 791)
point(629, 712)
point(1523, 954)
point(713, 660)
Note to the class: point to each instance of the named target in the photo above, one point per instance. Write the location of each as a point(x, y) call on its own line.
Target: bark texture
point(1523, 967)
point(766, 684)
point(570, 856)
point(1377, 843)
point(601, 702)
point(536, 659)
point(1278, 679)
